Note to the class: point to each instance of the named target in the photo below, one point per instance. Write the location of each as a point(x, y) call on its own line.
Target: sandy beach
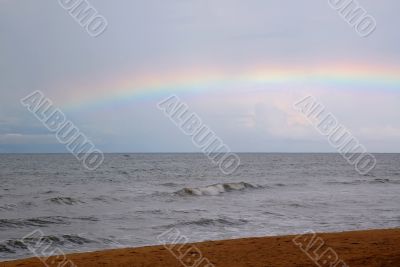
point(356, 248)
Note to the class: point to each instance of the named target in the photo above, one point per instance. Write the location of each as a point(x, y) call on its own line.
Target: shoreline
point(354, 248)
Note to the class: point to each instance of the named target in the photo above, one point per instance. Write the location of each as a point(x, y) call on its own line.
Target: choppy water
point(132, 198)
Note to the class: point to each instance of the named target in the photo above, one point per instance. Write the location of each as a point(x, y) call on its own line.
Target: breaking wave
point(41, 221)
point(373, 181)
point(220, 221)
point(64, 201)
point(215, 189)
point(13, 245)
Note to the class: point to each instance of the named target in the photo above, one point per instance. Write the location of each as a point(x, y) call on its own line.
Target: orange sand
point(357, 249)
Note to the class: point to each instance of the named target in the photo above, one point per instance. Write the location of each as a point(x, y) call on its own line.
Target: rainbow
point(129, 87)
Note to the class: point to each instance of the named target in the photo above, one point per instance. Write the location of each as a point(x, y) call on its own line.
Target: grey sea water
point(132, 198)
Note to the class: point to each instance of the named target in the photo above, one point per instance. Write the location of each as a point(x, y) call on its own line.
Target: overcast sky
point(43, 48)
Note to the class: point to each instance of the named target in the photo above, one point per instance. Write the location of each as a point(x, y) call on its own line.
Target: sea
point(133, 198)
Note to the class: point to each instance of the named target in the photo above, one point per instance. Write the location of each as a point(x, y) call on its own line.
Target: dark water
point(132, 198)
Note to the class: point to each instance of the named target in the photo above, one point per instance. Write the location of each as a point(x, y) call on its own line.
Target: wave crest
point(215, 189)
point(41, 221)
point(12, 245)
point(65, 201)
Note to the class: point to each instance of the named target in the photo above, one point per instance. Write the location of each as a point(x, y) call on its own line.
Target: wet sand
point(378, 248)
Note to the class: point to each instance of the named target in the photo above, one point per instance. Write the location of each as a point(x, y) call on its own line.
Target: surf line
point(202, 136)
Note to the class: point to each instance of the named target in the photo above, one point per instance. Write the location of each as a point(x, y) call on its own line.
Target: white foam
point(215, 189)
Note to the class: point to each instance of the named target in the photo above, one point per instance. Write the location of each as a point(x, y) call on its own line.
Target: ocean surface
point(132, 198)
